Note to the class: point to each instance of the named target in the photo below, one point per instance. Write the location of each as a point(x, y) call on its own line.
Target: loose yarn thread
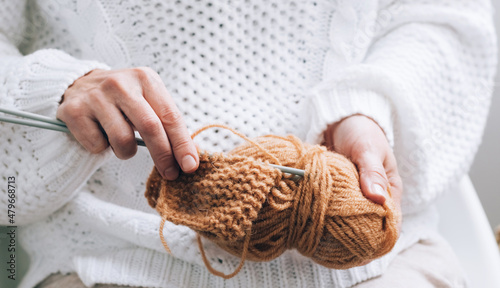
point(256, 212)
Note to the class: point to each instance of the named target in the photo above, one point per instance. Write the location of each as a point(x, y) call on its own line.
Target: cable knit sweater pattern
point(423, 70)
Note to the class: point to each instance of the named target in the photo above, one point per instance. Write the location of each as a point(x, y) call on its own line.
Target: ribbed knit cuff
point(330, 106)
point(51, 165)
point(36, 82)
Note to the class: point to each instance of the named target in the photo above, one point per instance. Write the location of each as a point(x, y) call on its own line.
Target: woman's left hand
point(361, 140)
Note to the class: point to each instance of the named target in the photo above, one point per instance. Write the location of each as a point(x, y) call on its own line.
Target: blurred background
point(485, 172)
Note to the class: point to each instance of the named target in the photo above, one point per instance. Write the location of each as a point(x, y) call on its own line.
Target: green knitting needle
point(43, 122)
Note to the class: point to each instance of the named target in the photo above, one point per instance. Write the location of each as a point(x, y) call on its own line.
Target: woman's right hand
point(103, 108)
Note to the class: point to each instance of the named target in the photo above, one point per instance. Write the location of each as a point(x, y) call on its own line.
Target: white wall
point(485, 172)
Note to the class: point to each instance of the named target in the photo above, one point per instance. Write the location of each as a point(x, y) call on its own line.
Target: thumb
point(372, 178)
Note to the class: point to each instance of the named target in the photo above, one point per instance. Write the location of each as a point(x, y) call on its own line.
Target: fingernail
point(188, 163)
point(377, 189)
point(171, 173)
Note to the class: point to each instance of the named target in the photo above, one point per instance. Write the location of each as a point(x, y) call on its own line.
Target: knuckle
point(182, 144)
point(144, 74)
point(166, 158)
point(96, 147)
point(124, 140)
point(374, 171)
point(170, 117)
point(124, 153)
point(112, 81)
point(95, 97)
point(72, 109)
point(121, 89)
point(148, 77)
point(380, 173)
point(150, 125)
point(141, 70)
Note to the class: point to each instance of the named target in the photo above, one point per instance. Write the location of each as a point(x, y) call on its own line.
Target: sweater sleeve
point(48, 166)
point(424, 71)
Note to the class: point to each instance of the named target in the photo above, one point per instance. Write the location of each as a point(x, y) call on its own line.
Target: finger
point(85, 129)
point(396, 184)
point(151, 130)
point(395, 181)
point(162, 103)
point(127, 95)
point(373, 178)
point(120, 134)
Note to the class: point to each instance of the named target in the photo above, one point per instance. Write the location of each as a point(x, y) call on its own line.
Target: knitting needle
point(33, 116)
point(294, 171)
point(40, 121)
point(43, 122)
point(34, 124)
point(289, 170)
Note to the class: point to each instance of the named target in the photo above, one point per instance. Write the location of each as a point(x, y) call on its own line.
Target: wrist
point(344, 126)
point(331, 106)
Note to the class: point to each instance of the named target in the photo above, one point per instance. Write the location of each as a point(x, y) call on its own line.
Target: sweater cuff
point(36, 82)
point(53, 165)
point(330, 106)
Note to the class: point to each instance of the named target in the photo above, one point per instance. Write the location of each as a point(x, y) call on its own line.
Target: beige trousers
point(428, 264)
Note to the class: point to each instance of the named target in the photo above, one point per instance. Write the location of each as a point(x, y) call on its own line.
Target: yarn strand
point(203, 255)
point(162, 237)
point(241, 135)
point(218, 273)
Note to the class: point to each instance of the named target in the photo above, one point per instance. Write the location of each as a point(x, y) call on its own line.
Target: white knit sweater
point(422, 69)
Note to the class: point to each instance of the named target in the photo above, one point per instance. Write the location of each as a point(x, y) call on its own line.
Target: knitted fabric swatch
point(256, 212)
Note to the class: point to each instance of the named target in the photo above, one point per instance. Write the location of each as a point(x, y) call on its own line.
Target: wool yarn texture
point(257, 212)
